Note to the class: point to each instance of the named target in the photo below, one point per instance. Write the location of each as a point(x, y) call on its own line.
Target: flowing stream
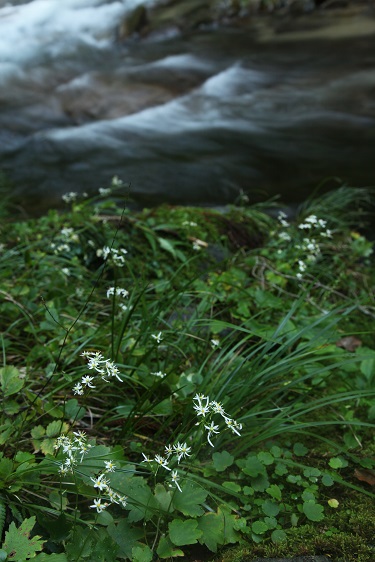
point(195, 117)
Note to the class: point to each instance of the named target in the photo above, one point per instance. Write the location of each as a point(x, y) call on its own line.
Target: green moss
point(347, 535)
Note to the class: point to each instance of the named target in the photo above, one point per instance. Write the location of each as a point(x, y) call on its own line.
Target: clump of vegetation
point(182, 377)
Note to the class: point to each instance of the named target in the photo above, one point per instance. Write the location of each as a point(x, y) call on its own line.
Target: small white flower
point(217, 408)
point(98, 505)
point(215, 343)
point(161, 461)
point(116, 182)
point(87, 381)
point(174, 478)
point(159, 374)
point(168, 451)
point(122, 500)
point(66, 271)
point(78, 389)
point(212, 429)
point(182, 450)
point(157, 337)
point(201, 408)
point(146, 459)
point(100, 482)
point(110, 466)
point(234, 426)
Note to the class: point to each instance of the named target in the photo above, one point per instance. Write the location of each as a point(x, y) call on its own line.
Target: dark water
point(185, 119)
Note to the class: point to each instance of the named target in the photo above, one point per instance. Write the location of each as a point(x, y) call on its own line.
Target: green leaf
point(23, 456)
point(313, 511)
point(274, 491)
point(300, 450)
point(260, 483)
point(167, 245)
point(6, 468)
point(184, 532)
point(190, 499)
point(367, 366)
point(259, 527)
point(278, 536)
point(233, 486)
point(212, 526)
point(270, 508)
point(253, 466)
point(265, 458)
point(124, 536)
point(55, 428)
point(58, 529)
point(73, 410)
point(222, 461)
point(57, 500)
point(337, 462)
point(166, 550)
point(142, 502)
point(333, 503)
point(327, 480)
point(141, 553)
point(164, 498)
point(11, 381)
point(81, 543)
point(17, 542)
point(38, 432)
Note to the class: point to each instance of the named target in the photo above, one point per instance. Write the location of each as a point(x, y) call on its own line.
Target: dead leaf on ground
point(365, 475)
point(350, 343)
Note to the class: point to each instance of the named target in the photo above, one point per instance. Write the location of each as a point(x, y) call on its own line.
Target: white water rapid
point(192, 117)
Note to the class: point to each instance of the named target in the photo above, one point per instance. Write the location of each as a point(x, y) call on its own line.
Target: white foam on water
point(46, 29)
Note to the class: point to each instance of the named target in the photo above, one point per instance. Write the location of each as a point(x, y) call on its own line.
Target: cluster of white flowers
point(109, 496)
point(116, 182)
point(104, 191)
point(171, 453)
point(203, 407)
point(309, 249)
point(178, 451)
point(119, 292)
point(282, 219)
point(116, 256)
point(159, 374)
point(74, 447)
point(62, 243)
point(96, 362)
point(70, 197)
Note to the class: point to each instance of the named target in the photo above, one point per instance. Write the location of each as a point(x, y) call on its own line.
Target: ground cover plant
point(180, 378)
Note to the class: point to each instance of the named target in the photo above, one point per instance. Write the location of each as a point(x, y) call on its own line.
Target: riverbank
point(180, 380)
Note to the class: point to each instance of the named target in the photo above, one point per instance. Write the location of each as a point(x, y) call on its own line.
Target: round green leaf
point(259, 527)
point(278, 536)
point(300, 450)
point(313, 511)
point(270, 508)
